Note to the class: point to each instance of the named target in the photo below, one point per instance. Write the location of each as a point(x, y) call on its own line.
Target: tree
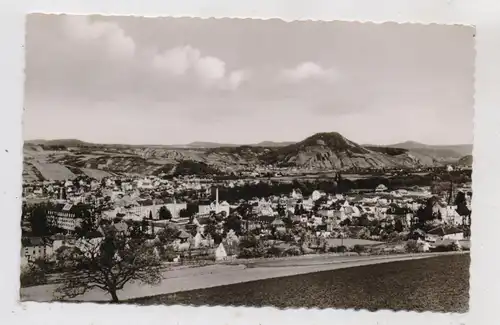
point(398, 226)
point(345, 222)
point(363, 221)
point(168, 235)
point(144, 226)
point(108, 266)
point(136, 230)
point(40, 225)
point(281, 210)
point(164, 213)
point(150, 216)
point(88, 224)
point(210, 228)
point(358, 249)
point(233, 222)
point(33, 274)
point(299, 209)
point(185, 213)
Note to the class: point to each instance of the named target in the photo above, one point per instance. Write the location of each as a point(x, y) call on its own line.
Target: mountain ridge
point(409, 144)
point(320, 151)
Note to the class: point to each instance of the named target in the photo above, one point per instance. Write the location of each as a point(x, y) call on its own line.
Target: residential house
point(447, 233)
point(33, 248)
point(316, 195)
point(381, 188)
point(220, 253)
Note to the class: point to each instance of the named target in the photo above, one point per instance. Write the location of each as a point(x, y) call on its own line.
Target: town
point(194, 219)
point(247, 163)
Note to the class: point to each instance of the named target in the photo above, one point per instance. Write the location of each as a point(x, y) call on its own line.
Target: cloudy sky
point(170, 81)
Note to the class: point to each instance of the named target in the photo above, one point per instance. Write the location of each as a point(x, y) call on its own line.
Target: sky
point(136, 80)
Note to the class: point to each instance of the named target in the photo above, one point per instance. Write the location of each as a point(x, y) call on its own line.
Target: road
point(184, 279)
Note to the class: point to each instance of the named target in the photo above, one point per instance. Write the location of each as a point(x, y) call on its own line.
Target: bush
point(456, 247)
point(337, 249)
point(292, 251)
point(32, 275)
point(250, 253)
point(249, 242)
point(453, 247)
point(274, 251)
point(358, 249)
point(411, 246)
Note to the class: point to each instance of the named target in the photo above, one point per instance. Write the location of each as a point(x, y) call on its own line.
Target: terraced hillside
point(61, 159)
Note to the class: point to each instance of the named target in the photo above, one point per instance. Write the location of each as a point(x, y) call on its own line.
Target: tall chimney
point(216, 200)
point(175, 209)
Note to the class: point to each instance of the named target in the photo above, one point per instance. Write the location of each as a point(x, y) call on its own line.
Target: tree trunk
point(114, 297)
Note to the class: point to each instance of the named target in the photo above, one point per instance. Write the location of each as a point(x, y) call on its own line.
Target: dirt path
point(216, 275)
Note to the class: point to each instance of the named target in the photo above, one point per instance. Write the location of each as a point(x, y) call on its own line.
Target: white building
point(145, 184)
point(33, 248)
point(220, 253)
point(64, 217)
point(316, 195)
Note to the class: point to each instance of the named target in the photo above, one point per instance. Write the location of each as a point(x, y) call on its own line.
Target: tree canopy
point(107, 265)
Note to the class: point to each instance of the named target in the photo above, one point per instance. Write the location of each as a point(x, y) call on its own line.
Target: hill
point(68, 158)
point(271, 144)
point(435, 153)
point(465, 161)
point(333, 151)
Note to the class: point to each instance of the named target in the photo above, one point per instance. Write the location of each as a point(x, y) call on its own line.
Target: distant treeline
point(266, 189)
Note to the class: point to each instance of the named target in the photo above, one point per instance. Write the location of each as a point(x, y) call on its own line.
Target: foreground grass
point(434, 284)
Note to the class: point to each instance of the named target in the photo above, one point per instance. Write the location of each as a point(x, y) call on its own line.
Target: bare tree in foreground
point(107, 265)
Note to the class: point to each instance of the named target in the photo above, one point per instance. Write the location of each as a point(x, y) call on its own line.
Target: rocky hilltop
point(334, 151)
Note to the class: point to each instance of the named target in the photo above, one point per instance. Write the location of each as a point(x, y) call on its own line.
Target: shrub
point(249, 242)
point(274, 251)
point(411, 246)
point(250, 253)
point(32, 275)
point(455, 246)
point(337, 249)
point(358, 249)
point(292, 251)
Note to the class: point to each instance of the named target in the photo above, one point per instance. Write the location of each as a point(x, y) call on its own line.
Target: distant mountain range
point(193, 145)
point(321, 151)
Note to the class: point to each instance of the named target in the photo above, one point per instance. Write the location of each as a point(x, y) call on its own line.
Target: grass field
point(438, 284)
point(95, 173)
point(349, 242)
point(56, 172)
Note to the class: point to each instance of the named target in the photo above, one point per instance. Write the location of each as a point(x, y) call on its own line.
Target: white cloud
point(211, 71)
point(117, 44)
point(176, 61)
point(210, 68)
point(307, 71)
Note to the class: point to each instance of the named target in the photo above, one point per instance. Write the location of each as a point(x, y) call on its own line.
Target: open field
point(349, 242)
point(95, 173)
point(421, 285)
point(55, 172)
point(177, 279)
